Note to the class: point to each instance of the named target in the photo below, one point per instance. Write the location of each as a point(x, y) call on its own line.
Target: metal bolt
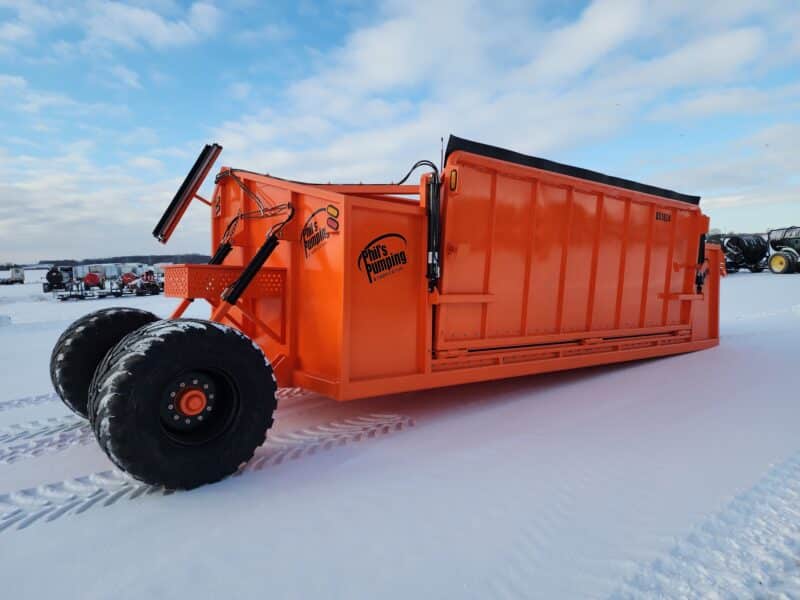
point(170, 406)
point(205, 386)
point(211, 396)
point(172, 394)
point(175, 417)
point(208, 408)
point(188, 421)
point(183, 384)
point(199, 417)
point(194, 381)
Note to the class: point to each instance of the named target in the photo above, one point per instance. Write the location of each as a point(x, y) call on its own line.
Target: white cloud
point(570, 50)
point(103, 25)
point(35, 102)
point(126, 76)
point(757, 168)
point(11, 33)
point(269, 33)
point(410, 72)
point(140, 136)
point(559, 88)
point(68, 189)
point(240, 90)
point(14, 82)
point(352, 115)
point(129, 26)
point(730, 100)
point(17, 93)
point(147, 163)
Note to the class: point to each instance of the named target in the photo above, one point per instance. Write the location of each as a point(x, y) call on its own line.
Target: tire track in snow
point(526, 562)
point(28, 401)
point(519, 573)
point(48, 502)
point(306, 442)
point(38, 428)
point(751, 548)
point(32, 439)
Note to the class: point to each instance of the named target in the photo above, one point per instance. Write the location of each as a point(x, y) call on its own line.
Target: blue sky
point(104, 105)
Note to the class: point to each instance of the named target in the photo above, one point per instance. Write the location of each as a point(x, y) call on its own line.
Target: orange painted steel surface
point(541, 272)
point(209, 281)
point(561, 258)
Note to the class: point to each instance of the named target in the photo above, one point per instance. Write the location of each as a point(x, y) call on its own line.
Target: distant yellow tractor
point(785, 246)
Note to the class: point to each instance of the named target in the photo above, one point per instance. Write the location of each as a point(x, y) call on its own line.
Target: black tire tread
point(120, 370)
point(82, 346)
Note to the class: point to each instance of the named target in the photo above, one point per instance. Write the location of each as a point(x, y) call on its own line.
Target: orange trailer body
point(542, 270)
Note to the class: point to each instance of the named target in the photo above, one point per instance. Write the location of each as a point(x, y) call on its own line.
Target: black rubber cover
point(185, 193)
point(457, 144)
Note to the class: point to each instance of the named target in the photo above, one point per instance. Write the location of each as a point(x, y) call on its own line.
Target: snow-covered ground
point(670, 478)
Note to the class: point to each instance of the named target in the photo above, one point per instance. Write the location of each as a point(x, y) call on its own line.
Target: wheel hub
point(192, 402)
point(188, 402)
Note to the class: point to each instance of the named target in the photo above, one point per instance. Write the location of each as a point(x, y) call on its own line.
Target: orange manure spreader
point(495, 265)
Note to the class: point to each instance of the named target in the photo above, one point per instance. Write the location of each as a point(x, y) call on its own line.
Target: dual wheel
point(178, 403)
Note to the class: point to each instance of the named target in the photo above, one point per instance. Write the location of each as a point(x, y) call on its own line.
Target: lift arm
point(186, 193)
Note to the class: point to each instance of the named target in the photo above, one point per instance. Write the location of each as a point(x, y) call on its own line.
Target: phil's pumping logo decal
point(383, 256)
point(318, 228)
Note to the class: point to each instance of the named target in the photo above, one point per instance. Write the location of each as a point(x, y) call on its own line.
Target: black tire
point(139, 424)
point(82, 346)
point(782, 263)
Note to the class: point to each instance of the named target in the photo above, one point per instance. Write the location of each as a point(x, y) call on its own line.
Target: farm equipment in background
point(494, 265)
point(10, 275)
point(57, 278)
point(785, 245)
point(146, 285)
point(103, 281)
point(92, 276)
point(128, 278)
point(742, 251)
point(92, 280)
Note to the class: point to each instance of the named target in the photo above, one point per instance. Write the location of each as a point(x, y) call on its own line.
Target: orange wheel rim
point(192, 402)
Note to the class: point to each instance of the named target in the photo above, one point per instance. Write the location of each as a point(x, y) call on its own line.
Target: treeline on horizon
point(148, 259)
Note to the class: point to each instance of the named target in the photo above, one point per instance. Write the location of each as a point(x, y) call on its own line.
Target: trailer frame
point(678, 318)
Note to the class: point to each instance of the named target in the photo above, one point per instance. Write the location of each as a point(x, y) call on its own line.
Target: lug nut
point(172, 394)
point(175, 417)
point(170, 406)
point(187, 421)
